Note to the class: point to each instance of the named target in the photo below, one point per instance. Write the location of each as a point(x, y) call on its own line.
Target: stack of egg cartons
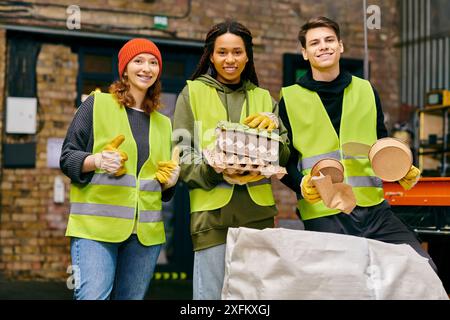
point(241, 149)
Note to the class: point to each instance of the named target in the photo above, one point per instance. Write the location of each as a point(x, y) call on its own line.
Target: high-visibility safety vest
point(105, 209)
point(208, 110)
point(314, 138)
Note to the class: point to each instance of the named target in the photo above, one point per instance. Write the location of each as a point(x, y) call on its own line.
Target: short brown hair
point(318, 22)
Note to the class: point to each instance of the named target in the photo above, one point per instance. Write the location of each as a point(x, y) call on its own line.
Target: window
point(94, 63)
point(97, 70)
point(23, 54)
point(295, 67)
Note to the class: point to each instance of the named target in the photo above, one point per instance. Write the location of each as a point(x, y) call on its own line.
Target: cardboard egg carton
point(243, 150)
point(232, 164)
point(242, 140)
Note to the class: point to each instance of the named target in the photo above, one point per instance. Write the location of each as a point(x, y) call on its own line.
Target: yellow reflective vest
point(106, 208)
point(208, 110)
point(314, 138)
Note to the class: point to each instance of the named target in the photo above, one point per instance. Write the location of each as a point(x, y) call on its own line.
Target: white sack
point(295, 264)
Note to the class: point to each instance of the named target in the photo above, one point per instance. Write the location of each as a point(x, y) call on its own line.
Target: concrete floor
point(51, 290)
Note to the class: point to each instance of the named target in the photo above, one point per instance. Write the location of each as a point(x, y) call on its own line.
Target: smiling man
point(326, 108)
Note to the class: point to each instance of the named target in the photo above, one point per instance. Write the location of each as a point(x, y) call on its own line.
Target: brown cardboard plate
point(329, 167)
point(390, 158)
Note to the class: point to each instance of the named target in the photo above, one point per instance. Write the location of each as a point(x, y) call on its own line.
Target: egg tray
point(231, 164)
point(244, 150)
point(239, 139)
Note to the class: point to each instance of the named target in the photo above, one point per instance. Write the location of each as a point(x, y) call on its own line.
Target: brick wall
point(3, 232)
point(2, 83)
point(32, 227)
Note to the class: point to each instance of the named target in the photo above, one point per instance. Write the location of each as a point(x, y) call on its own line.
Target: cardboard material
point(282, 264)
point(329, 167)
point(240, 149)
point(355, 149)
point(335, 195)
point(390, 158)
point(327, 175)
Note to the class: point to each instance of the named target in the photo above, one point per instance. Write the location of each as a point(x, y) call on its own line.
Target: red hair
point(120, 89)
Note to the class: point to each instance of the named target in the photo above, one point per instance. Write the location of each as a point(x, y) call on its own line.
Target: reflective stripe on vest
point(355, 181)
point(315, 138)
point(365, 182)
point(105, 179)
point(106, 208)
point(102, 210)
point(208, 110)
point(308, 163)
point(150, 185)
point(151, 216)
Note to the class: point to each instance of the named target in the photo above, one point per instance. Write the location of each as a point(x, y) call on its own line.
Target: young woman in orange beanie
point(117, 155)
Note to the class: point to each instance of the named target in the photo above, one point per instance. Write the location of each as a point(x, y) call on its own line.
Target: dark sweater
point(79, 142)
point(331, 94)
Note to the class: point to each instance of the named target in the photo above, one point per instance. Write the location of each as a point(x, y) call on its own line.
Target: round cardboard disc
point(390, 158)
point(329, 167)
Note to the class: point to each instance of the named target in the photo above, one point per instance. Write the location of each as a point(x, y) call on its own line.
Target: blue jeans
point(117, 271)
point(209, 271)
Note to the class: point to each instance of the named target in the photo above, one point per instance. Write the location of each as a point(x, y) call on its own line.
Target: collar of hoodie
point(246, 85)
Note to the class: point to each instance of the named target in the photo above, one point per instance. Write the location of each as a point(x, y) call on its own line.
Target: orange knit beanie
point(134, 47)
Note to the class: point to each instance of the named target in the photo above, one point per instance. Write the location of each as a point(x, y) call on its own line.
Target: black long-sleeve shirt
point(331, 94)
point(79, 143)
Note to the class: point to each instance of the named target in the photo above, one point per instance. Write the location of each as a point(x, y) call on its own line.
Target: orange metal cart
point(433, 191)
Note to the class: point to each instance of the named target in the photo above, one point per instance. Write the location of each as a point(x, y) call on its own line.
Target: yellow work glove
point(241, 179)
point(111, 159)
point(411, 178)
point(308, 190)
point(169, 171)
point(262, 120)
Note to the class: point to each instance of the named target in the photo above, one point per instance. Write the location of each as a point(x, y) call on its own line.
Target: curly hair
point(120, 89)
point(228, 26)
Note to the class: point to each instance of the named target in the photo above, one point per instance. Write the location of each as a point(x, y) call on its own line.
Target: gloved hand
point(111, 159)
point(241, 179)
point(411, 178)
point(262, 120)
point(308, 190)
point(169, 171)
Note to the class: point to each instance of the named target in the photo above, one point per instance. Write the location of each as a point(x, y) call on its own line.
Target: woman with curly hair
point(117, 155)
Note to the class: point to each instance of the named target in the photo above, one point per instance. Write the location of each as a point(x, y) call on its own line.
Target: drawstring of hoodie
point(226, 106)
point(247, 105)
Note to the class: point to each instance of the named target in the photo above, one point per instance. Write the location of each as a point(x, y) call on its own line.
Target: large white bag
point(294, 264)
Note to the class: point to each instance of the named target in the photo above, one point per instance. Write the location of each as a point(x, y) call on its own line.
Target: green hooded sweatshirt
point(209, 228)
